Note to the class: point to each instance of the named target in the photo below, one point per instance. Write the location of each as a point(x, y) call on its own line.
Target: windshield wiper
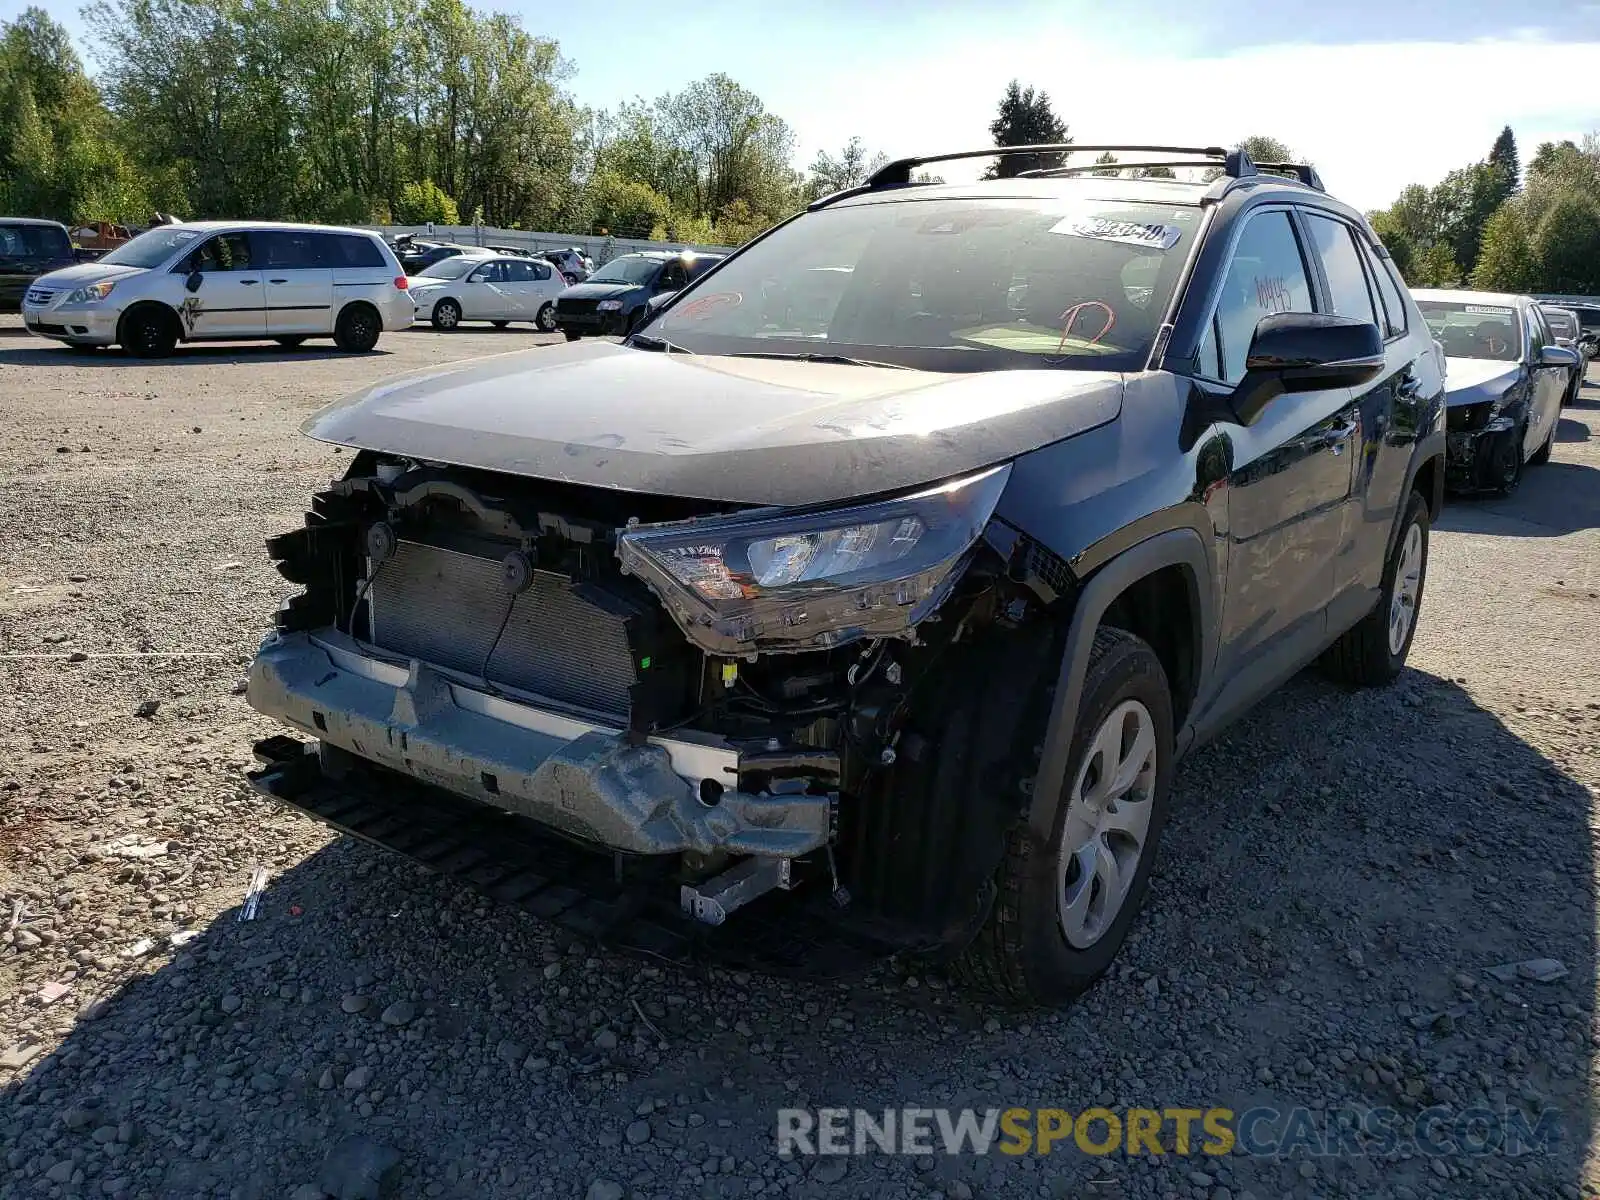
point(647, 341)
point(837, 359)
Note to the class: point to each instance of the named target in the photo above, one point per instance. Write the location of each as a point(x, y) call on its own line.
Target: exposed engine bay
point(715, 698)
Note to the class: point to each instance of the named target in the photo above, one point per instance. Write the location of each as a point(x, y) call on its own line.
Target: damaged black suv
point(875, 586)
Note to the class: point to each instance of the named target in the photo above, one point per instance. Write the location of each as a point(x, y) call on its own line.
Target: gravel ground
point(1340, 877)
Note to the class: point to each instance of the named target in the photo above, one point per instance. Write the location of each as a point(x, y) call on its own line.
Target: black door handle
point(277, 281)
point(249, 282)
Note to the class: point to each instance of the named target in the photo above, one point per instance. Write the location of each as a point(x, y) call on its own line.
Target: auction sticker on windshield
point(1486, 311)
point(1150, 235)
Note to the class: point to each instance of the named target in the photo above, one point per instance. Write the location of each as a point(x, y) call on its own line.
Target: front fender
point(1174, 547)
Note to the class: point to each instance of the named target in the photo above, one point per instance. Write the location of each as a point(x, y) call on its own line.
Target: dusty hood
point(600, 291)
point(85, 273)
point(1470, 379)
point(743, 430)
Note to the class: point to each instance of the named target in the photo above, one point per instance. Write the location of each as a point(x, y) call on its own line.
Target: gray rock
point(263, 1082)
point(231, 1003)
point(354, 1004)
point(830, 1169)
point(637, 1133)
point(326, 1080)
point(358, 1078)
point(308, 1191)
point(61, 1172)
point(358, 1168)
point(146, 708)
point(401, 1012)
point(606, 1040)
point(19, 1056)
point(604, 1189)
point(509, 1052)
point(25, 939)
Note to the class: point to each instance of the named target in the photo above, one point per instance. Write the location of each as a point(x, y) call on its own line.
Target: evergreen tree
point(1025, 119)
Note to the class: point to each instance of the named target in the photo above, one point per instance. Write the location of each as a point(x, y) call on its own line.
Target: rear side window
point(699, 266)
point(288, 249)
point(1347, 282)
point(540, 270)
point(1394, 305)
point(349, 250)
point(1267, 276)
point(518, 271)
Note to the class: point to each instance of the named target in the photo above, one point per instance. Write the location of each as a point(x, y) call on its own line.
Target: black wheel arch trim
point(141, 306)
point(1430, 448)
point(1181, 547)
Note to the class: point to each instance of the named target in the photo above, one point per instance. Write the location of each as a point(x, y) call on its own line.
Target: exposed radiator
point(444, 607)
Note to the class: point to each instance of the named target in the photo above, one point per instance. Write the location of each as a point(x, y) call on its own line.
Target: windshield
point(33, 241)
point(630, 268)
point(1473, 330)
point(448, 268)
point(151, 248)
point(949, 285)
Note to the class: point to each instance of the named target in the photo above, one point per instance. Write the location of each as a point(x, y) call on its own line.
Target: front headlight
point(608, 305)
point(807, 581)
point(91, 293)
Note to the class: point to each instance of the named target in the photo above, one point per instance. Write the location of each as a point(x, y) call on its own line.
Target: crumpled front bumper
point(1474, 460)
point(581, 778)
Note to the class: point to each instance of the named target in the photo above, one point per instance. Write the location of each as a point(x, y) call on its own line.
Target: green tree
point(1392, 234)
point(850, 168)
point(1025, 119)
point(1503, 158)
point(1435, 267)
point(1506, 262)
point(425, 201)
point(1107, 159)
point(627, 207)
point(1262, 148)
point(1566, 243)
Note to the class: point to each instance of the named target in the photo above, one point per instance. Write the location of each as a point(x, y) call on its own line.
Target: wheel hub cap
point(1107, 824)
point(1407, 585)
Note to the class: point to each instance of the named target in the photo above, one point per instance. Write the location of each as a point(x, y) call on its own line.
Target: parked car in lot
point(891, 619)
point(29, 248)
point(497, 288)
point(1568, 331)
point(422, 255)
point(575, 266)
point(613, 299)
point(1507, 377)
point(226, 280)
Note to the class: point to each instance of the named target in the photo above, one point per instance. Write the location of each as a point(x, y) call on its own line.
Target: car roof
point(32, 221)
point(286, 226)
point(1467, 296)
point(1044, 187)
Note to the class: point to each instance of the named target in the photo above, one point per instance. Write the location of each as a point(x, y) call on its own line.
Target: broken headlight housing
point(807, 581)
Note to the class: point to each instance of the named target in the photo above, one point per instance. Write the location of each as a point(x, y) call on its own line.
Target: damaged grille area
point(560, 640)
point(1466, 418)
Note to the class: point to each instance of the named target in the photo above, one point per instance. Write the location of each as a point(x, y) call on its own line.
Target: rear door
point(1377, 463)
point(299, 281)
point(223, 294)
point(521, 288)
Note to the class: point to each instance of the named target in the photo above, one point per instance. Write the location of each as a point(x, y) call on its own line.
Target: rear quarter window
point(352, 250)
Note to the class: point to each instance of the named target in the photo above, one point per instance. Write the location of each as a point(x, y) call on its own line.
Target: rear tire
point(1373, 652)
point(357, 329)
point(572, 337)
point(148, 332)
point(1063, 908)
point(545, 321)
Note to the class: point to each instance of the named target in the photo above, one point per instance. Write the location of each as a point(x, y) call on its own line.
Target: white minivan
point(500, 288)
point(226, 281)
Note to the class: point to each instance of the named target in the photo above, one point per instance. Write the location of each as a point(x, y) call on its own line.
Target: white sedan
point(495, 288)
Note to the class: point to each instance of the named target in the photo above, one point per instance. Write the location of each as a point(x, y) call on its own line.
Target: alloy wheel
point(1107, 824)
point(1407, 586)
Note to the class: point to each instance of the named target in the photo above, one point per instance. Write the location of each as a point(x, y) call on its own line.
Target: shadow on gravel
point(1569, 430)
point(44, 354)
point(1341, 880)
point(1553, 500)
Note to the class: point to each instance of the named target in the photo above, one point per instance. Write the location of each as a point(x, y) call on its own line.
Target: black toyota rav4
point(868, 595)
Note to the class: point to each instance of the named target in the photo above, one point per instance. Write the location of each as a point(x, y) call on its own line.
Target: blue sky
point(1379, 93)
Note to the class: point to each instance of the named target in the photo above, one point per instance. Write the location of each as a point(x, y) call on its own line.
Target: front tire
point(357, 329)
point(148, 333)
point(572, 337)
point(1373, 652)
point(1063, 908)
point(446, 315)
point(545, 321)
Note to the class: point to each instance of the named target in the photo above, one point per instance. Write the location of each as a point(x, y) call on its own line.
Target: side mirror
point(193, 282)
point(1558, 356)
point(658, 300)
point(1305, 352)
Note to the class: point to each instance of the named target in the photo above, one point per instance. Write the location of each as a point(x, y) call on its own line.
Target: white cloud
point(1374, 118)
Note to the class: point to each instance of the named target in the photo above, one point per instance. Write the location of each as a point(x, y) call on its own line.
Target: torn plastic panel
point(810, 581)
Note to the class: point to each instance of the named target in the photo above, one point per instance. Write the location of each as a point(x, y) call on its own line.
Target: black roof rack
point(1091, 168)
point(1236, 163)
point(1304, 172)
